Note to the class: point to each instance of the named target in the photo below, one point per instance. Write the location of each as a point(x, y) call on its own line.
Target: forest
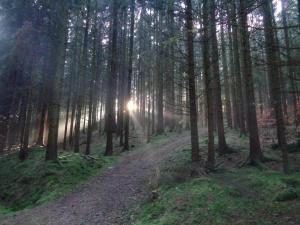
point(149, 112)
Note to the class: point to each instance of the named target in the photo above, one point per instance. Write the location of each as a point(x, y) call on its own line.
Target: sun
point(132, 106)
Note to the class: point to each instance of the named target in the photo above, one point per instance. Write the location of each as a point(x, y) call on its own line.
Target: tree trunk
point(82, 80)
point(67, 121)
point(232, 78)
point(226, 78)
point(255, 150)
point(159, 74)
point(42, 118)
point(209, 82)
point(238, 82)
point(58, 56)
point(191, 79)
point(129, 78)
point(110, 101)
point(289, 58)
point(217, 84)
point(273, 75)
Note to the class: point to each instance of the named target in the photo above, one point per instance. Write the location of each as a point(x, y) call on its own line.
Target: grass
point(163, 138)
point(34, 181)
point(237, 196)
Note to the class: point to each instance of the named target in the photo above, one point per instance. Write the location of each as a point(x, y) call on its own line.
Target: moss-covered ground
point(25, 184)
point(231, 195)
point(34, 181)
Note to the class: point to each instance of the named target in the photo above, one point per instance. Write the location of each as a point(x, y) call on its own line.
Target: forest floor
point(108, 197)
point(156, 184)
point(234, 194)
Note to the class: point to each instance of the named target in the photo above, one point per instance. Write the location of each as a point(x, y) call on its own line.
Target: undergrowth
point(242, 196)
point(34, 181)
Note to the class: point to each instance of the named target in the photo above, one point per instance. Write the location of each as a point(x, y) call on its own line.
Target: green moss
point(288, 195)
point(4, 210)
point(34, 181)
point(164, 138)
point(237, 196)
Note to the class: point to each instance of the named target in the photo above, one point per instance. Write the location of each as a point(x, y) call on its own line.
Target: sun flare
point(131, 106)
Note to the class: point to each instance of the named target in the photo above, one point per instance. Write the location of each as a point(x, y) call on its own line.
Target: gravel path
point(105, 199)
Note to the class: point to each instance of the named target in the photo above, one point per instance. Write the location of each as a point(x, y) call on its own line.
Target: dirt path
point(107, 198)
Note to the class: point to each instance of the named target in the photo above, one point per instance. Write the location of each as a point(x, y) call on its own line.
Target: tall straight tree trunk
point(217, 83)
point(43, 104)
point(273, 75)
point(91, 94)
point(67, 120)
point(209, 83)
point(42, 117)
point(159, 74)
point(187, 106)
point(129, 78)
point(238, 81)
point(232, 78)
point(60, 19)
point(23, 154)
point(110, 101)
point(26, 111)
point(75, 84)
point(71, 130)
point(100, 116)
point(153, 105)
point(226, 78)
point(85, 109)
point(255, 150)
point(191, 79)
point(122, 79)
point(81, 79)
point(281, 81)
point(170, 103)
point(289, 58)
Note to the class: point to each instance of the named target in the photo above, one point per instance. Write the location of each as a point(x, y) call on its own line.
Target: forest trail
point(106, 198)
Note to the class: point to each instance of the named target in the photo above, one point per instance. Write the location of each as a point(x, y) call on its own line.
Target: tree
point(273, 75)
point(237, 72)
point(59, 18)
point(191, 82)
point(209, 83)
point(226, 75)
point(159, 78)
point(216, 76)
point(82, 79)
point(110, 101)
point(129, 78)
point(289, 57)
point(246, 62)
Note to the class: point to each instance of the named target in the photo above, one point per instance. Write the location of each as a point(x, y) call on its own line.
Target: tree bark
point(59, 12)
point(226, 78)
point(289, 58)
point(159, 75)
point(238, 82)
point(209, 82)
point(273, 75)
point(191, 79)
point(246, 61)
point(129, 78)
point(82, 80)
point(110, 101)
point(217, 84)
